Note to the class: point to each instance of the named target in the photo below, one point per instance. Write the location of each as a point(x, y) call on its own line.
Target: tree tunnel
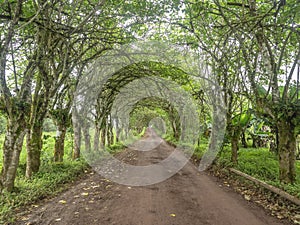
point(161, 116)
point(107, 125)
point(153, 77)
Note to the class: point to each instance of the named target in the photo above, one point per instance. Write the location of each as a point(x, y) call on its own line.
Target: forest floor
point(189, 197)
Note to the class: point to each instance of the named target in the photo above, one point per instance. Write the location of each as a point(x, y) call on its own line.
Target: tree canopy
point(248, 48)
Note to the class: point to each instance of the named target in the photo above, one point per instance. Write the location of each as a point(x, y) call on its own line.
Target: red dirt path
point(187, 198)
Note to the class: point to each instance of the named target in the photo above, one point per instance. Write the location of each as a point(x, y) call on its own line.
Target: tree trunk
point(87, 138)
point(244, 141)
point(12, 148)
point(234, 133)
point(298, 147)
point(34, 147)
point(59, 147)
point(254, 141)
point(77, 140)
point(234, 149)
point(110, 135)
point(103, 136)
point(175, 131)
point(118, 130)
point(286, 152)
point(96, 139)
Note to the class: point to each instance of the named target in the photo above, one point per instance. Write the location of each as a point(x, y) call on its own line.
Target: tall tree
point(15, 99)
point(265, 37)
point(43, 41)
point(66, 41)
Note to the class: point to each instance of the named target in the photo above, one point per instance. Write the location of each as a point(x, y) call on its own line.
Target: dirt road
point(187, 198)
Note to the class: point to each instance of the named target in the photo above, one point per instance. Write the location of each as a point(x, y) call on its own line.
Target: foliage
point(261, 164)
point(169, 137)
point(115, 148)
point(252, 48)
point(48, 125)
point(200, 149)
point(51, 179)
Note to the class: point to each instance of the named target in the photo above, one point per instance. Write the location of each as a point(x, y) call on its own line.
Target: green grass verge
point(261, 164)
point(50, 180)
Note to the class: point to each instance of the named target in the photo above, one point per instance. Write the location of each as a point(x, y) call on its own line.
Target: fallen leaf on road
point(172, 214)
point(296, 219)
point(62, 201)
point(247, 197)
point(58, 219)
point(84, 193)
point(25, 218)
point(280, 216)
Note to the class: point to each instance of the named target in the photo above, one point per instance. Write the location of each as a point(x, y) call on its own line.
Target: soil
point(189, 197)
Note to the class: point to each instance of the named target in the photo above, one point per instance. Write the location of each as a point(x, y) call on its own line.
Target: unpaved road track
point(187, 198)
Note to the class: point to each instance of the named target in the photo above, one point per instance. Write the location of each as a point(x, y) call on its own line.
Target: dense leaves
point(251, 48)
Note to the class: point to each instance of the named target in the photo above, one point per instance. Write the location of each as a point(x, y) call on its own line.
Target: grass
point(261, 164)
point(115, 148)
point(50, 180)
point(199, 150)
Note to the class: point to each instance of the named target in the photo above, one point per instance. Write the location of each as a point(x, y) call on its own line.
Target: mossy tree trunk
point(87, 137)
point(14, 108)
point(77, 140)
point(12, 147)
point(59, 147)
point(286, 151)
point(234, 147)
point(34, 142)
point(34, 145)
point(96, 138)
point(62, 120)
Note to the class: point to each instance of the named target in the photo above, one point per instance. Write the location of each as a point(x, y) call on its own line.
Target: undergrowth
point(50, 180)
point(261, 164)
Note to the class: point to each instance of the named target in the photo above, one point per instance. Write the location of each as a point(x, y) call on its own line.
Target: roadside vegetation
point(248, 50)
point(52, 178)
point(261, 164)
